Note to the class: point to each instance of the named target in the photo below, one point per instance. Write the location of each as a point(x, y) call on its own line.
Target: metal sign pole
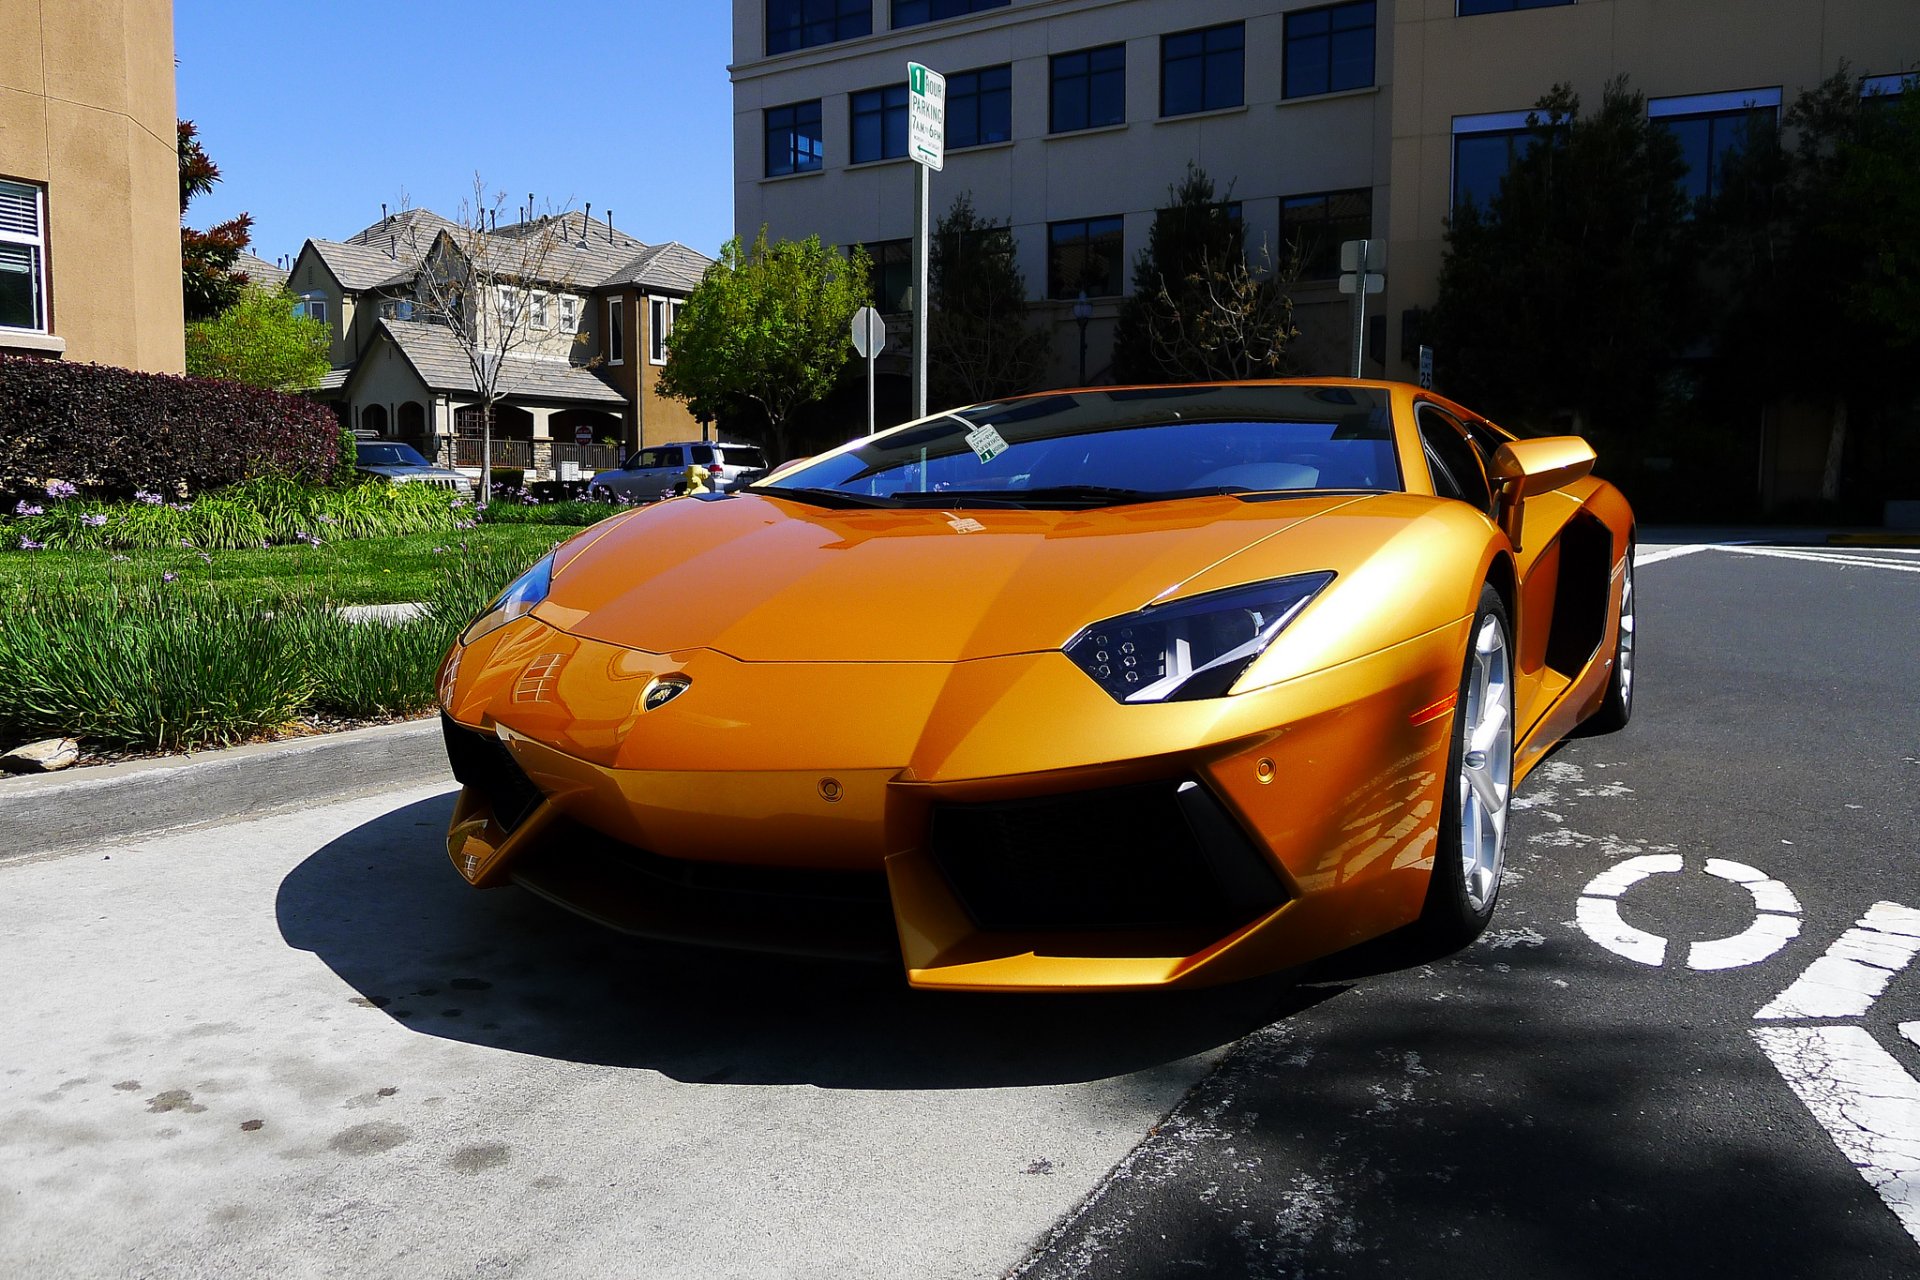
point(921, 199)
point(1360, 315)
point(872, 352)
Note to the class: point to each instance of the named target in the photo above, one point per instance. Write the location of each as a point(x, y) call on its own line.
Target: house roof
point(586, 254)
point(436, 355)
point(360, 266)
point(259, 270)
point(663, 266)
point(419, 226)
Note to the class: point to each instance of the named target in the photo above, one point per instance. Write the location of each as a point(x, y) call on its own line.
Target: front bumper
point(998, 824)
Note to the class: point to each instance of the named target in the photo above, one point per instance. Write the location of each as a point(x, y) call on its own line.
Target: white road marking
point(1846, 981)
point(1667, 553)
point(1864, 1099)
point(1822, 557)
point(1776, 919)
point(1600, 919)
point(1761, 939)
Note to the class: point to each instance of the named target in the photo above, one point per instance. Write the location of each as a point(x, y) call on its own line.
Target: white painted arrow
point(1866, 1101)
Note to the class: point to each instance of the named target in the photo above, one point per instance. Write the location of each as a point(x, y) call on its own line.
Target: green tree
point(1198, 311)
point(208, 282)
point(767, 327)
point(1813, 264)
point(979, 344)
point(260, 340)
point(1568, 292)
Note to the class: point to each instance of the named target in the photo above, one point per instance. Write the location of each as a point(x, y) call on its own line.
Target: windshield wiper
point(822, 497)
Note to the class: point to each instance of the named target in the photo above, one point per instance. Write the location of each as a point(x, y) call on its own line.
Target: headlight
point(1194, 647)
point(524, 592)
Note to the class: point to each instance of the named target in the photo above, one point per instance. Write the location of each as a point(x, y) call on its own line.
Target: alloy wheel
point(1486, 764)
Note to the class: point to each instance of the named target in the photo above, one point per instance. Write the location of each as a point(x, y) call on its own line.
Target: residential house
point(89, 184)
point(595, 305)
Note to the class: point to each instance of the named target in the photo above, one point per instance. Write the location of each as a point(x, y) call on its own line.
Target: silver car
point(661, 469)
point(402, 464)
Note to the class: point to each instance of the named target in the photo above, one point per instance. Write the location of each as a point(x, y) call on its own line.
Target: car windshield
point(1110, 447)
point(388, 455)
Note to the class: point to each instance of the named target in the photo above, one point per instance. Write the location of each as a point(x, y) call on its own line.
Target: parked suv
point(401, 463)
point(661, 469)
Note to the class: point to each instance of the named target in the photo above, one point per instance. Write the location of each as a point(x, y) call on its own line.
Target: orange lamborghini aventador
point(1116, 688)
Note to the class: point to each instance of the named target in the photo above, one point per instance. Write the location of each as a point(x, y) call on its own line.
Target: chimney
point(609, 226)
point(393, 247)
point(586, 220)
point(384, 217)
point(529, 206)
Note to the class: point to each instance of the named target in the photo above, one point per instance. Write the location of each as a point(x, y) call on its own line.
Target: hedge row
point(113, 432)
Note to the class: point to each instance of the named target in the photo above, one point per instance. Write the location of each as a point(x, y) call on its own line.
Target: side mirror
point(1525, 469)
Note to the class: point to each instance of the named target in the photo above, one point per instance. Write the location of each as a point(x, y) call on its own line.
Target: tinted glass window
point(1458, 473)
point(741, 455)
point(890, 276)
point(879, 123)
point(1085, 255)
point(794, 141)
point(979, 107)
point(1330, 49)
point(1203, 70)
point(1089, 89)
point(1470, 7)
point(1708, 141)
point(801, 24)
point(910, 13)
point(1481, 161)
point(1316, 226)
point(1145, 443)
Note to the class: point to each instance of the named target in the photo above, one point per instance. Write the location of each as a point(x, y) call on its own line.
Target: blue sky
point(317, 112)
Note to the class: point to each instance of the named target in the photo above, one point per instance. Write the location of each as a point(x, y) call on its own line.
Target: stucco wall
point(87, 112)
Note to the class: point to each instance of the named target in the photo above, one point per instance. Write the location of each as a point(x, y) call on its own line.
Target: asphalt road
point(300, 1047)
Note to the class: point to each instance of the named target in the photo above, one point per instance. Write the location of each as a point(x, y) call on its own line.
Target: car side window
point(703, 454)
point(661, 458)
point(1453, 458)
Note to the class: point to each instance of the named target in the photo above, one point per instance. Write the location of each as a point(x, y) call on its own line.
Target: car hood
point(405, 472)
point(770, 580)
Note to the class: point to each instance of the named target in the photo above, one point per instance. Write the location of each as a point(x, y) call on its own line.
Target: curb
point(65, 812)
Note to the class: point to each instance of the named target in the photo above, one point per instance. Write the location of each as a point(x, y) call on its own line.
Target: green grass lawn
point(363, 571)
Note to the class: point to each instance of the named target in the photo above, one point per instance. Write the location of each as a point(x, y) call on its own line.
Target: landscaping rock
point(41, 757)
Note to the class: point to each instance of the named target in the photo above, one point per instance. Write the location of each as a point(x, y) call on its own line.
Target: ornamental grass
point(254, 513)
point(139, 662)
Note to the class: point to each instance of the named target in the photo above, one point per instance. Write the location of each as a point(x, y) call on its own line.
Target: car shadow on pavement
point(382, 908)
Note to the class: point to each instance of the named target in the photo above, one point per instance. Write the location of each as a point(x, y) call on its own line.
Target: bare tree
point(1224, 322)
point(483, 284)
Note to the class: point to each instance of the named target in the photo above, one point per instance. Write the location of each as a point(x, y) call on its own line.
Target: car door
point(660, 468)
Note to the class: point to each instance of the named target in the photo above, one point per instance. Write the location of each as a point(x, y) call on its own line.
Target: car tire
point(1617, 707)
point(1470, 855)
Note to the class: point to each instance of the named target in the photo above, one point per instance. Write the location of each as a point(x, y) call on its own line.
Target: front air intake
point(482, 761)
point(1153, 855)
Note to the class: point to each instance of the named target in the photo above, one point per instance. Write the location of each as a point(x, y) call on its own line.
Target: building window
point(313, 306)
point(1884, 90)
point(979, 107)
point(662, 314)
point(801, 24)
point(1330, 49)
point(1316, 225)
point(542, 311)
point(1089, 88)
point(1470, 7)
point(569, 314)
point(392, 309)
point(616, 330)
point(1203, 70)
point(1087, 256)
point(911, 13)
point(1484, 148)
point(879, 123)
point(890, 274)
point(23, 258)
point(794, 143)
point(1710, 127)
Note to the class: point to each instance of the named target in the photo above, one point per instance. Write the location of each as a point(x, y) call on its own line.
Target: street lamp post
point(1082, 312)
